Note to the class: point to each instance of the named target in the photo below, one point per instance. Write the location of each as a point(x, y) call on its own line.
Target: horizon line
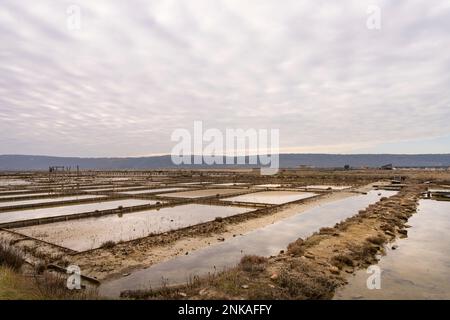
point(251, 155)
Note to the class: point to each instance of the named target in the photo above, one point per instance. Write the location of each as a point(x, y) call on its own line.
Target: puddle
point(151, 191)
point(89, 233)
point(47, 200)
point(271, 197)
point(22, 215)
point(265, 242)
point(199, 193)
point(419, 268)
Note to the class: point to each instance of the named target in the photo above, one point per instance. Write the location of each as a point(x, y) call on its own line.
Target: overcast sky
point(136, 70)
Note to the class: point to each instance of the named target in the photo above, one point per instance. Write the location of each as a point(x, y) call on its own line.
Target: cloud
point(136, 71)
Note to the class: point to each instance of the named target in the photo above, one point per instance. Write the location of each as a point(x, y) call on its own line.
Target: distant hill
point(29, 162)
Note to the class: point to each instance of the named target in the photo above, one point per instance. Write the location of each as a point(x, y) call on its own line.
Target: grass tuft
point(253, 263)
point(10, 257)
point(108, 244)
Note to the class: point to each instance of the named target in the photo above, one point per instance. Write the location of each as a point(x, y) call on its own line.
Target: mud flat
point(271, 197)
point(418, 267)
point(48, 200)
point(265, 241)
point(199, 193)
point(91, 233)
point(29, 214)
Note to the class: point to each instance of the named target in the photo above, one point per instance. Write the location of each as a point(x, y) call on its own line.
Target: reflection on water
point(271, 197)
point(28, 214)
point(46, 200)
point(111, 189)
point(419, 268)
point(151, 191)
point(265, 241)
point(199, 193)
point(90, 233)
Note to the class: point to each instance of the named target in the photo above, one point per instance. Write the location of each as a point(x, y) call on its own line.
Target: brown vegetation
point(10, 257)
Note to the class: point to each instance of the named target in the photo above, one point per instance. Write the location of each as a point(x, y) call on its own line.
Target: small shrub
point(219, 219)
point(54, 286)
point(327, 230)
point(387, 227)
point(10, 257)
point(253, 263)
point(342, 260)
point(378, 240)
point(39, 268)
point(108, 244)
point(306, 285)
point(296, 248)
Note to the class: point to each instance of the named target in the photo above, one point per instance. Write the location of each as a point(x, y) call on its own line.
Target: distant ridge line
point(287, 160)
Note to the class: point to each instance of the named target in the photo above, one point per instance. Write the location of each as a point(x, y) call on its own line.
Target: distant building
point(387, 167)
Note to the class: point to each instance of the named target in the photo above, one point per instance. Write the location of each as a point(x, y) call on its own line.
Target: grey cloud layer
point(137, 70)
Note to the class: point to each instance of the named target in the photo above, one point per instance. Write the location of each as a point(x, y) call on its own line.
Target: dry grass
point(253, 263)
point(296, 248)
point(48, 286)
point(53, 286)
point(378, 240)
point(305, 285)
point(10, 257)
point(13, 286)
point(108, 244)
point(342, 260)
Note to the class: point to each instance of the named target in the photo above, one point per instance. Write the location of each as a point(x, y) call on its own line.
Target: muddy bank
point(311, 268)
